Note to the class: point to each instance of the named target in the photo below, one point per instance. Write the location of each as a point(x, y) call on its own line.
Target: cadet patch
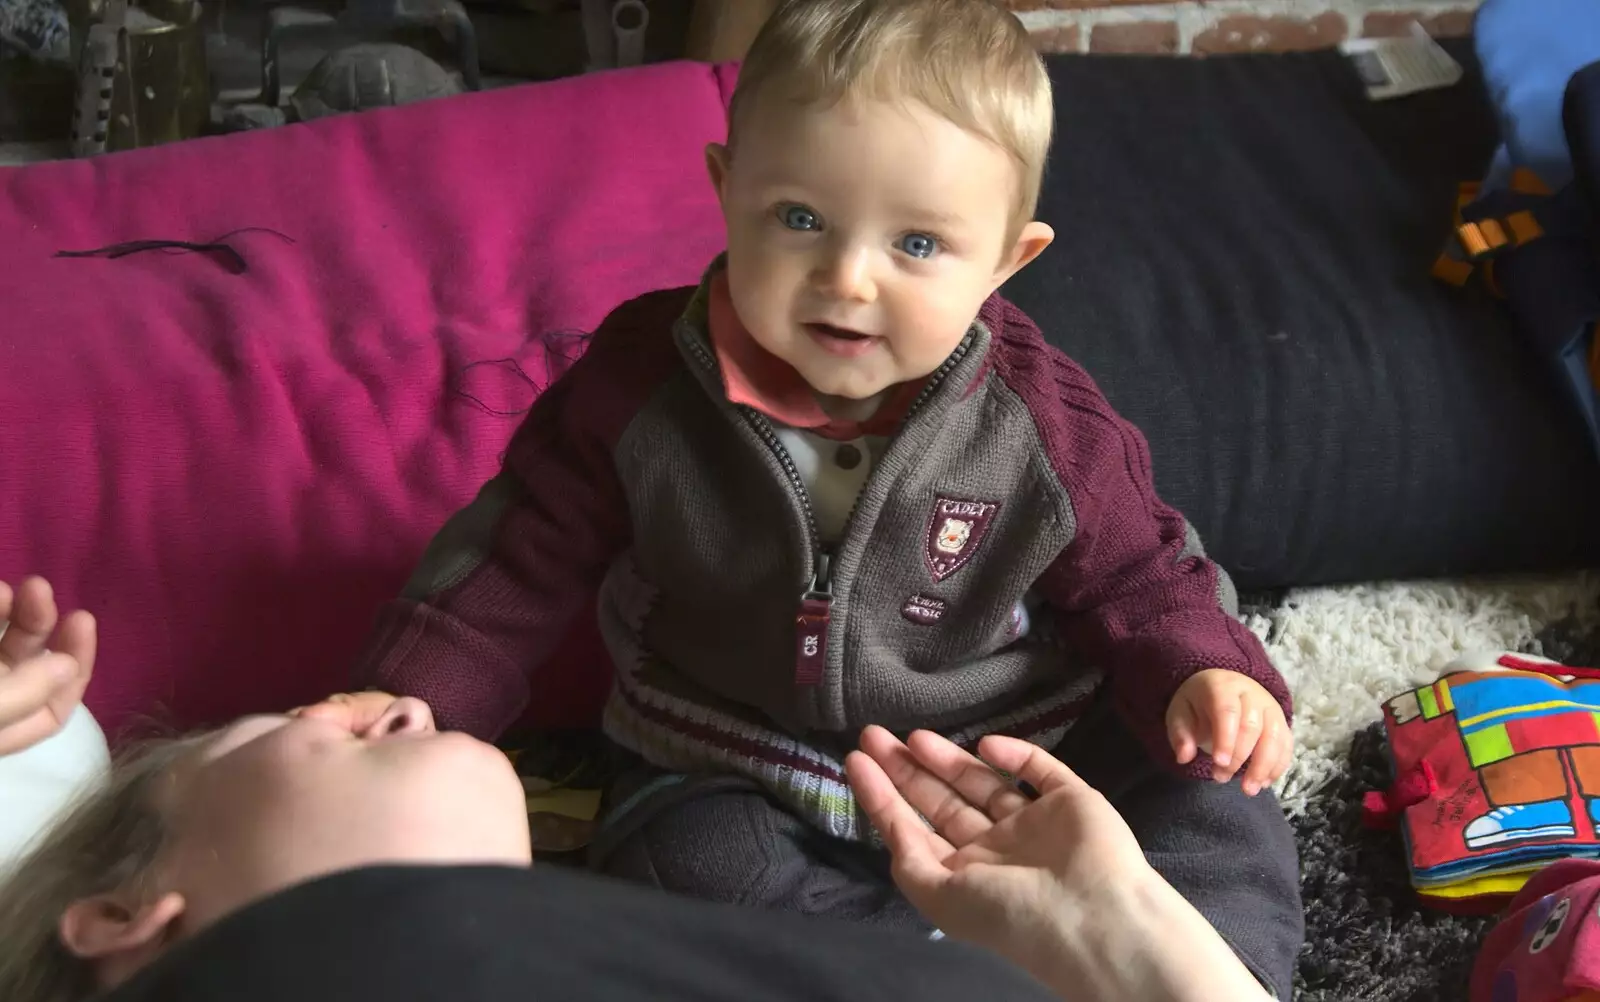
point(954, 532)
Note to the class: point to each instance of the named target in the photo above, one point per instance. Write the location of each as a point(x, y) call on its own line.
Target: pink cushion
point(235, 470)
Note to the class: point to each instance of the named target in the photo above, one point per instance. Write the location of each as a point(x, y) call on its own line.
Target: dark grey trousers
point(1232, 856)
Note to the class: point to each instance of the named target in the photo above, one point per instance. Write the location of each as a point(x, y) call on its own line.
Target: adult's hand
point(45, 663)
point(1057, 884)
point(991, 848)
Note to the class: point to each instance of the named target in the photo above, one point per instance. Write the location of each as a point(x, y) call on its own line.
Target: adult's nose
point(406, 715)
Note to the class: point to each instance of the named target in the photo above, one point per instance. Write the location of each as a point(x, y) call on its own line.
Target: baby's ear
point(1030, 243)
point(717, 161)
point(118, 938)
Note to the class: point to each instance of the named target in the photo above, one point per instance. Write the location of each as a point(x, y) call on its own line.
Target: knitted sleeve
point(1134, 590)
point(502, 582)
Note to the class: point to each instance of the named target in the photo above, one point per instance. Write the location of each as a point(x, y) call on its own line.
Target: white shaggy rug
point(1346, 649)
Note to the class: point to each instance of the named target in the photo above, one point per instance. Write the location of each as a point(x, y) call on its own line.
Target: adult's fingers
point(971, 777)
point(1030, 764)
point(906, 834)
point(26, 689)
point(32, 617)
point(948, 811)
point(918, 858)
point(78, 636)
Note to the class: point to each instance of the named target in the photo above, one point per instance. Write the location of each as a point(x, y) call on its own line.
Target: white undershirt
point(824, 467)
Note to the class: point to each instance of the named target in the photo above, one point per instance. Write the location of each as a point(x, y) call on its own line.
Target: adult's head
point(186, 831)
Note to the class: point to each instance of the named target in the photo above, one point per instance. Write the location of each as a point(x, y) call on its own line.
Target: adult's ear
point(116, 936)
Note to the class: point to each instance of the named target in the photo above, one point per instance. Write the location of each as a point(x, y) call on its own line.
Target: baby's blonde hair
point(108, 841)
point(970, 61)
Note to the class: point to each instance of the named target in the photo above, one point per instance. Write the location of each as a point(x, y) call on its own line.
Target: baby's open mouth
point(842, 333)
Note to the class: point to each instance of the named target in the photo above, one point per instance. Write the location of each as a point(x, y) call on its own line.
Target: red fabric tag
point(1382, 809)
point(811, 641)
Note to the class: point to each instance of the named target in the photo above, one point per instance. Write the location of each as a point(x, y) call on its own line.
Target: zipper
point(815, 615)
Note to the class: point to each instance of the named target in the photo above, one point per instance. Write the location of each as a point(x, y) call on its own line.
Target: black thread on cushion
point(219, 250)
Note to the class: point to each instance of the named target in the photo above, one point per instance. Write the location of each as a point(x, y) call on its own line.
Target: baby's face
point(863, 237)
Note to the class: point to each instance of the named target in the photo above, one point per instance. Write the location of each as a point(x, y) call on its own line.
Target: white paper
point(1394, 67)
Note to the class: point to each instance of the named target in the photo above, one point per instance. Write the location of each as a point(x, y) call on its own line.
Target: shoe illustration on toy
point(1519, 822)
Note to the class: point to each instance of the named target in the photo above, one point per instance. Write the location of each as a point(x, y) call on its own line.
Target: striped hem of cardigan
point(679, 735)
point(691, 738)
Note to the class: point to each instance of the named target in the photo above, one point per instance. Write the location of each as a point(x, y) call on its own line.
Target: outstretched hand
point(45, 663)
point(1057, 884)
point(997, 867)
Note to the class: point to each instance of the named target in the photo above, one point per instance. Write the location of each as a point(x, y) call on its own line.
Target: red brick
point(1135, 37)
point(1061, 38)
point(1244, 33)
point(1397, 24)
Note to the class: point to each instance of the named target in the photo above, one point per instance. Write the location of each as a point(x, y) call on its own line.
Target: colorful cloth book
point(1497, 774)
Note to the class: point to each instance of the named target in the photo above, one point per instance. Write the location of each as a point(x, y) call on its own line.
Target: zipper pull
point(811, 624)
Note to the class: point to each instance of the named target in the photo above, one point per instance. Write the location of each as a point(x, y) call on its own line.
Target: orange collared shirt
point(758, 379)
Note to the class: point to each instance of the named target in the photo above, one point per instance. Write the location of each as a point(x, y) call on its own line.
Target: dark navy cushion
point(1242, 262)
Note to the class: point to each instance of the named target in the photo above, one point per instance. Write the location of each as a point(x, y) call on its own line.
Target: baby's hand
point(1234, 718)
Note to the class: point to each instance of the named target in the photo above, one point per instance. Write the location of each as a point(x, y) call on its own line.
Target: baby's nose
point(847, 274)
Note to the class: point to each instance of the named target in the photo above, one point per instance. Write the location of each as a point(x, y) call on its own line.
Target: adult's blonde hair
point(109, 841)
point(970, 61)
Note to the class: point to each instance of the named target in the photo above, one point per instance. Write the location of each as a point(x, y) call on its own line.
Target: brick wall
point(1208, 27)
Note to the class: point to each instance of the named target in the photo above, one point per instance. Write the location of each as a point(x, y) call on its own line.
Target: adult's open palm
point(991, 862)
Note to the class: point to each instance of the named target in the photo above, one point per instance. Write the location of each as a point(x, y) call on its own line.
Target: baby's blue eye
point(798, 217)
point(919, 245)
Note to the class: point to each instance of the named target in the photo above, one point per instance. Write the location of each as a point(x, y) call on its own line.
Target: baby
point(842, 482)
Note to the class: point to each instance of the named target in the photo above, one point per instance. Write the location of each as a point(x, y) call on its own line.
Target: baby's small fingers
point(1248, 739)
point(1225, 714)
point(1181, 735)
point(1263, 760)
point(1285, 753)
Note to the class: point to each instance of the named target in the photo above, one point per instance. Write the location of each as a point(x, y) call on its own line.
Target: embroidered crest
point(954, 532)
point(924, 610)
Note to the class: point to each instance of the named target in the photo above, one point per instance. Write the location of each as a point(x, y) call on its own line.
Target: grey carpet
point(1366, 935)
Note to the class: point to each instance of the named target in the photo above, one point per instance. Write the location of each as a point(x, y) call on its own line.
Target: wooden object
point(722, 30)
